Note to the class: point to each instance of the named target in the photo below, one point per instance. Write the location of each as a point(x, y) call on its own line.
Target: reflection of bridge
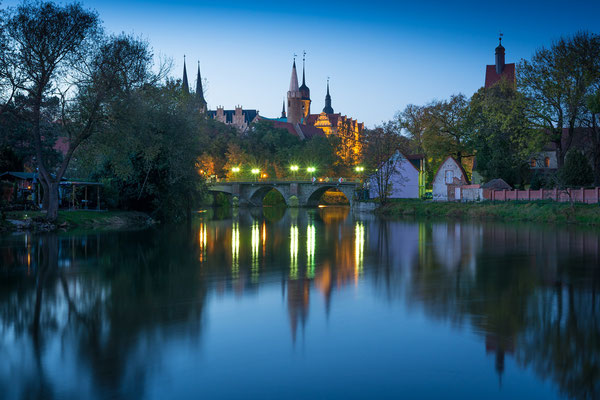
point(307, 193)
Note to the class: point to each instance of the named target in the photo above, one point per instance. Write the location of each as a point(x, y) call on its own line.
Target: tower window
point(547, 162)
point(533, 163)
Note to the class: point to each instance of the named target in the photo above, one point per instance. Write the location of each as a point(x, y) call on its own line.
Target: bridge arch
point(315, 196)
point(257, 196)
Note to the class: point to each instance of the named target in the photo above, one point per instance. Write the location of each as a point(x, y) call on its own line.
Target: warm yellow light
point(359, 169)
point(294, 168)
point(264, 175)
point(311, 169)
point(235, 169)
point(255, 170)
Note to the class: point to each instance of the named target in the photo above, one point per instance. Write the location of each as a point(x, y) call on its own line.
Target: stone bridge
point(295, 193)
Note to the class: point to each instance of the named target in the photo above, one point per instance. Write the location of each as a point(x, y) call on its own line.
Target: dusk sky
point(380, 56)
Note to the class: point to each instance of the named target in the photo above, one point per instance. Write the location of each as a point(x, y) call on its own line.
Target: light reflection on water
point(349, 305)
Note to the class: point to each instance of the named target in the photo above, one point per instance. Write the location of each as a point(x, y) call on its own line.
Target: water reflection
point(116, 313)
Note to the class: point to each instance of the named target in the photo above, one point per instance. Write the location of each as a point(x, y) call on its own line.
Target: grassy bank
point(34, 220)
point(535, 211)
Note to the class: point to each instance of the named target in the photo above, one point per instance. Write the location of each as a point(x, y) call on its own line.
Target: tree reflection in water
point(108, 304)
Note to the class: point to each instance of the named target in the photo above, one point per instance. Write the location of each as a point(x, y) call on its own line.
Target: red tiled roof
point(308, 131)
point(491, 77)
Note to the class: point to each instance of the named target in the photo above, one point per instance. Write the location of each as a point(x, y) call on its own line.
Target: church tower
point(294, 98)
point(328, 109)
point(304, 90)
point(185, 84)
point(200, 91)
point(500, 57)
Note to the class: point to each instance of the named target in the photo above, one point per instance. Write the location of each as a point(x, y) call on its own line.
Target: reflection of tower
point(294, 114)
point(305, 91)
point(499, 345)
point(298, 302)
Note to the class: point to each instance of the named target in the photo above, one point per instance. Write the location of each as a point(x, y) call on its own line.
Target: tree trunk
point(44, 194)
point(52, 210)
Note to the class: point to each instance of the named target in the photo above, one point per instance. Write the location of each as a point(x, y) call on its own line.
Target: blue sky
point(380, 56)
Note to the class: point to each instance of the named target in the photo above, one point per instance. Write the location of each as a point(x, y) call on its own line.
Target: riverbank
point(101, 220)
point(534, 211)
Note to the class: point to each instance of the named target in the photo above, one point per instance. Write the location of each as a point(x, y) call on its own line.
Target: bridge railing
point(328, 181)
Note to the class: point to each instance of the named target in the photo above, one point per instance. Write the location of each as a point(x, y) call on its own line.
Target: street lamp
point(359, 169)
point(235, 170)
point(255, 172)
point(294, 169)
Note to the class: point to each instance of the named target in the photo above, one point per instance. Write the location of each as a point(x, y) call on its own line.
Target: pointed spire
point(283, 110)
point(199, 89)
point(328, 109)
point(303, 68)
point(500, 56)
point(294, 79)
point(186, 86)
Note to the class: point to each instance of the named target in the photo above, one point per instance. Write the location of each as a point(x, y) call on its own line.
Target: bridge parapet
point(308, 193)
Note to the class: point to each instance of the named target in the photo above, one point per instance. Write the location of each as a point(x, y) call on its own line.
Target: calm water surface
point(312, 304)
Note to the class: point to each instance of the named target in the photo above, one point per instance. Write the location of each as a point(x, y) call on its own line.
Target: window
point(533, 163)
point(547, 162)
point(449, 176)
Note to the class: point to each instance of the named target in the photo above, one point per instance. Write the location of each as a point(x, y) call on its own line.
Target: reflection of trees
point(529, 292)
point(113, 314)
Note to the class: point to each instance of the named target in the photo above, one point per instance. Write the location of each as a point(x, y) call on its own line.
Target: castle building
point(238, 117)
point(298, 112)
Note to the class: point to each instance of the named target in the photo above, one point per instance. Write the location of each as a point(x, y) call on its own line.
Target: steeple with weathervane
point(304, 90)
point(328, 109)
point(294, 97)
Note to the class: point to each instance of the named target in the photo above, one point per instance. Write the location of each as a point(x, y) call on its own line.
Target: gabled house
point(407, 179)
point(448, 179)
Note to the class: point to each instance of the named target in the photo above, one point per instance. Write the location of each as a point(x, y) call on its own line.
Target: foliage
point(557, 80)
point(499, 133)
point(150, 149)
point(576, 171)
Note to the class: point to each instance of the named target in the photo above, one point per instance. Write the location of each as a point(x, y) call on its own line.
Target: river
point(306, 304)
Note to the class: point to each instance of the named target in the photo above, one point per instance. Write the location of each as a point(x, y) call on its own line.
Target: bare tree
point(382, 157)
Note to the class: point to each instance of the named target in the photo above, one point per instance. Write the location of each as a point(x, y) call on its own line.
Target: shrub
point(576, 171)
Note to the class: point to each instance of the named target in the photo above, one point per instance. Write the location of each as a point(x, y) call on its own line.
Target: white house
point(448, 179)
point(406, 179)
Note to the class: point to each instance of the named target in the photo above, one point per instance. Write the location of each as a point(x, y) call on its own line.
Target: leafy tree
point(499, 133)
point(557, 80)
point(150, 152)
point(576, 170)
point(445, 133)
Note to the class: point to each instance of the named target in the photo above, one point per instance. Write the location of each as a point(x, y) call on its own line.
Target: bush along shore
point(533, 211)
point(35, 221)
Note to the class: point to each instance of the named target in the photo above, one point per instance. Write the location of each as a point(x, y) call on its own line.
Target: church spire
point(294, 79)
point(186, 86)
point(500, 58)
point(200, 90)
point(303, 68)
point(283, 110)
point(328, 109)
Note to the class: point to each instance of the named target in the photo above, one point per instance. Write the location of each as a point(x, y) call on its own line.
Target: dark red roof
point(308, 131)
point(491, 77)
